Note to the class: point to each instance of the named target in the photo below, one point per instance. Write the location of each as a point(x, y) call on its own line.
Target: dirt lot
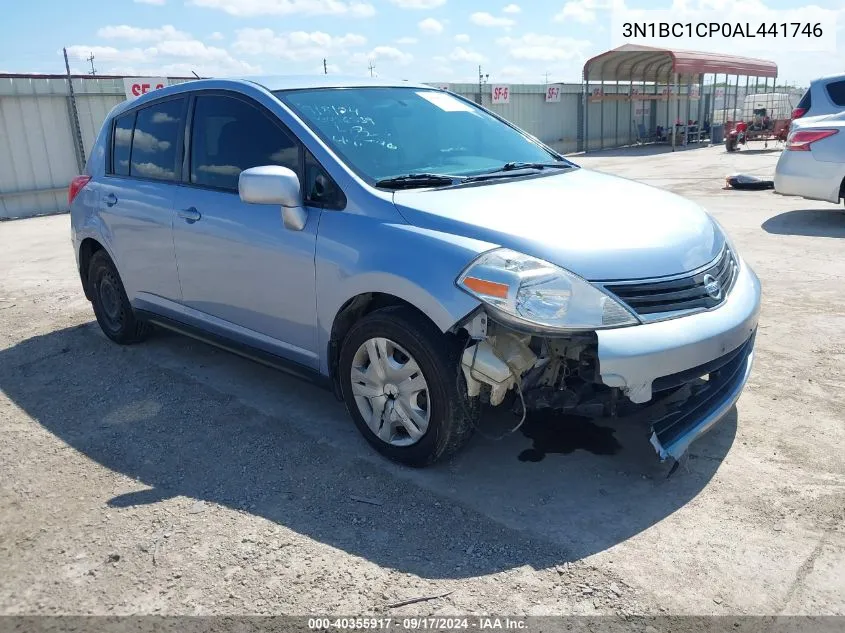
point(174, 478)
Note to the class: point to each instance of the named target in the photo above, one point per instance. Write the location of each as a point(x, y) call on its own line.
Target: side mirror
point(274, 184)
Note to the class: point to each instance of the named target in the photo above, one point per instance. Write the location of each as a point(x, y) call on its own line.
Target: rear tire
point(111, 305)
point(730, 144)
point(443, 409)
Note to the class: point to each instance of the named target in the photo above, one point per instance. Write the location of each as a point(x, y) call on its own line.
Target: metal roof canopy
point(632, 62)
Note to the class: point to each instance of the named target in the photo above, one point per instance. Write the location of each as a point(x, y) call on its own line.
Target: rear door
point(136, 199)
point(243, 274)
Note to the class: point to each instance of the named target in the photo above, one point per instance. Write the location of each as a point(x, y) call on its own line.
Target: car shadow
point(182, 419)
point(808, 222)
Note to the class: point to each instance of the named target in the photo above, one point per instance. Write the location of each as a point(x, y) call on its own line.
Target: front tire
point(111, 305)
point(399, 379)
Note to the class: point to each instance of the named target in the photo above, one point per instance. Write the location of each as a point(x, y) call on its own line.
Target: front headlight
point(538, 293)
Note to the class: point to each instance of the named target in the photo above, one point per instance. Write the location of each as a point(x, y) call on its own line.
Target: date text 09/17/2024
point(414, 623)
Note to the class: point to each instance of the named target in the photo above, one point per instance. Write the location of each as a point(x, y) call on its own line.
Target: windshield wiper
point(504, 170)
point(411, 181)
point(515, 165)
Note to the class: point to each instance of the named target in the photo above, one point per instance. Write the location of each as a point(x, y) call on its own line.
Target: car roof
point(269, 82)
point(300, 82)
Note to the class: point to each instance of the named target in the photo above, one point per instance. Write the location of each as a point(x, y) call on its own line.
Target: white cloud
point(407, 40)
point(430, 26)
point(245, 8)
point(584, 11)
point(512, 8)
point(462, 55)
point(462, 38)
point(155, 2)
point(128, 33)
point(169, 52)
point(418, 4)
point(512, 72)
point(392, 54)
point(217, 35)
point(482, 18)
point(294, 46)
point(544, 47)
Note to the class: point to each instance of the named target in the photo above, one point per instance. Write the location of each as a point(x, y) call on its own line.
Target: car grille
point(692, 292)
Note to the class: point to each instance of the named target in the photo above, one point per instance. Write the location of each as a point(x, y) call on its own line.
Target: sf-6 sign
point(501, 94)
point(552, 94)
point(137, 86)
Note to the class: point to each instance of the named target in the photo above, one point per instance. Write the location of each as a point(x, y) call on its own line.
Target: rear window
point(836, 92)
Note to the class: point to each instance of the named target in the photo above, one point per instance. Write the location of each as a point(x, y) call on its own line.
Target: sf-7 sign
point(137, 86)
point(500, 94)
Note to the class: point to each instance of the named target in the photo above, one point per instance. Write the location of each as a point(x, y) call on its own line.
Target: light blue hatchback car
point(416, 253)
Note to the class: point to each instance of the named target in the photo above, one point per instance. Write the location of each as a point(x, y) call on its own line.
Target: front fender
point(358, 254)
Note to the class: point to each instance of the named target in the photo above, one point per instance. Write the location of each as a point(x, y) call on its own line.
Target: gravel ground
point(173, 478)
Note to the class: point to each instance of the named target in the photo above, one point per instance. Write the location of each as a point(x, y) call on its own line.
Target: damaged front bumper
point(705, 357)
point(648, 359)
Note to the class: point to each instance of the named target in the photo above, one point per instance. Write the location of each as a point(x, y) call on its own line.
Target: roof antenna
point(195, 75)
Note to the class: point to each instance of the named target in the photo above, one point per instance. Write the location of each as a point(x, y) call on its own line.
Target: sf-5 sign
point(137, 86)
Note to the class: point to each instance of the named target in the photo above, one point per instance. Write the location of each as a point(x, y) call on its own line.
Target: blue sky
point(428, 40)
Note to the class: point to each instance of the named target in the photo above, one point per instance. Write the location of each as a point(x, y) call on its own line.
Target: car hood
point(598, 226)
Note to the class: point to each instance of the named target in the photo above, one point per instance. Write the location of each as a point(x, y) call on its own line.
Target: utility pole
point(325, 68)
point(547, 77)
point(90, 59)
point(482, 79)
point(78, 146)
point(371, 67)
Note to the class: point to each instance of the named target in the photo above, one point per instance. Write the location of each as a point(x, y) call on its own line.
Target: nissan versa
point(416, 253)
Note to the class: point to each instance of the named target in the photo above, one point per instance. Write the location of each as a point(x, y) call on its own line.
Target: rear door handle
point(111, 200)
point(190, 215)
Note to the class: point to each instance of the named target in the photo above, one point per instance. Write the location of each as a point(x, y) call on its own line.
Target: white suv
point(825, 96)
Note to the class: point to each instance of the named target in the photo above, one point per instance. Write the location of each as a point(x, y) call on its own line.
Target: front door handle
point(111, 200)
point(190, 215)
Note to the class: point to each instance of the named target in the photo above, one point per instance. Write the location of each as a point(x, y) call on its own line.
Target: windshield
point(387, 132)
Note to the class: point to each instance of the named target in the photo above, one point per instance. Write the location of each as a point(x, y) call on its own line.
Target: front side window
point(230, 135)
point(155, 151)
point(385, 132)
point(122, 144)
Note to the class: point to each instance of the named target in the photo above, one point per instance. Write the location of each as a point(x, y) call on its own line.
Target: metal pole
point(630, 111)
point(736, 94)
point(713, 99)
point(677, 106)
point(77, 130)
point(601, 119)
point(616, 127)
point(586, 100)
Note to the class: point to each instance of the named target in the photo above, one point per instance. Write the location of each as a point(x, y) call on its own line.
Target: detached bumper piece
point(709, 402)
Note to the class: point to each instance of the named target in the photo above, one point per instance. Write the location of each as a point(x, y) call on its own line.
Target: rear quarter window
point(836, 92)
point(122, 144)
point(806, 100)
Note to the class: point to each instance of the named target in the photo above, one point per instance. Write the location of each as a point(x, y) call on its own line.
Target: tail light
point(800, 140)
point(76, 185)
point(797, 113)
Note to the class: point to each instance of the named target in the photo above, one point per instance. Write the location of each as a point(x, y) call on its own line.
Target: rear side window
point(155, 143)
point(230, 135)
point(836, 92)
point(122, 144)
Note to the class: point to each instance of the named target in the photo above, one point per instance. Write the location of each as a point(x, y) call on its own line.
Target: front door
point(242, 273)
